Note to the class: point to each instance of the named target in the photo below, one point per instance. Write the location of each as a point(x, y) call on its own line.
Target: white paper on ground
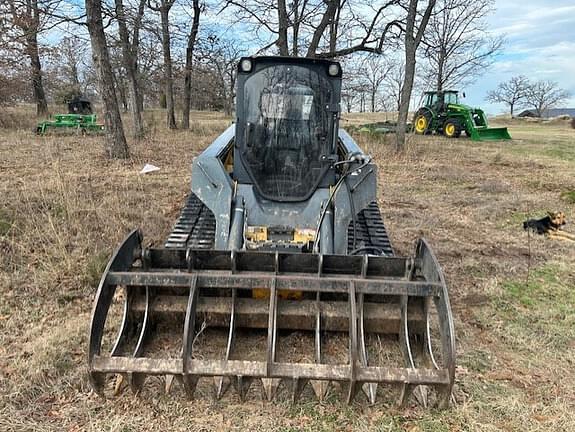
point(148, 168)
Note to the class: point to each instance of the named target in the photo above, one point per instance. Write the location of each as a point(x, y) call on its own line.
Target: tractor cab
point(80, 105)
point(438, 101)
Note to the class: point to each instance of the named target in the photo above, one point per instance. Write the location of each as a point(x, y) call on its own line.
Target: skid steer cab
point(442, 113)
point(279, 272)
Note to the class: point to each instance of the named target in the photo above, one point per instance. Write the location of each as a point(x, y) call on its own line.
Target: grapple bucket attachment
point(346, 307)
point(490, 134)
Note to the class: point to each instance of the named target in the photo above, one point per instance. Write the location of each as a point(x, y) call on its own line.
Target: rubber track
point(370, 231)
point(195, 228)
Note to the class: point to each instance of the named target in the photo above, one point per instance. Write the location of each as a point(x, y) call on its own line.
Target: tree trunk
point(168, 78)
point(327, 18)
point(130, 64)
point(406, 89)
point(440, 67)
point(188, 71)
point(295, 28)
point(373, 95)
point(116, 145)
point(412, 40)
point(282, 42)
point(36, 74)
point(511, 108)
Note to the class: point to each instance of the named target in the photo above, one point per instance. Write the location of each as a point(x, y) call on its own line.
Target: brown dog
point(550, 226)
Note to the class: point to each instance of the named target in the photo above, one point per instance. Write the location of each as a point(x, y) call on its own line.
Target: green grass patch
point(6, 222)
point(568, 196)
point(542, 310)
point(554, 149)
point(477, 360)
point(516, 219)
point(96, 266)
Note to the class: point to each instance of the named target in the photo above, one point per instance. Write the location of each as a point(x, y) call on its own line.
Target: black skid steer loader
point(279, 271)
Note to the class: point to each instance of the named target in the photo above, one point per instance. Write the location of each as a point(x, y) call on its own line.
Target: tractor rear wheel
point(422, 122)
point(452, 128)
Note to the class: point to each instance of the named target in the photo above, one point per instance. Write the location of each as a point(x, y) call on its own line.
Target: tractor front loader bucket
point(489, 134)
point(356, 302)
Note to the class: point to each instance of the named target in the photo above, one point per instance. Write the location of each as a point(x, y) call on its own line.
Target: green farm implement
point(79, 119)
point(442, 113)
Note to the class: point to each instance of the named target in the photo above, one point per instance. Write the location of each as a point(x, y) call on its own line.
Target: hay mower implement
point(279, 271)
point(79, 119)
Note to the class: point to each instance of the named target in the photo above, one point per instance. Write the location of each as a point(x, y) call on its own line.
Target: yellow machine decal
point(257, 235)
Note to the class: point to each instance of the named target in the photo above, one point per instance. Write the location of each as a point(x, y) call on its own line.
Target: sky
point(540, 44)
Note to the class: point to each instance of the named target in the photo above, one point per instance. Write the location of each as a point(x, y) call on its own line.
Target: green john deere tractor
point(442, 113)
point(79, 119)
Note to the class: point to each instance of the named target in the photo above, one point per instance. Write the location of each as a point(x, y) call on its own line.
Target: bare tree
point(163, 7)
point(115, 138)
point(511, 93)
point(320, 28)
point(394, 83)
point(26, 16)
point(373, 71)
point(457, 45)
point(414, 30)
point(191, 43)
point(543, 95)
point(130, 59)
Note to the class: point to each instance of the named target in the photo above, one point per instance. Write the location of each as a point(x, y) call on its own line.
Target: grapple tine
point(223, 383)
point(136, 380)
point(270, 387)
point(126, 322)
point(242, 385)
point(168, 383)
point(272, 326)
point(370, 389)
point(319, 386)
point(431, 270)
point(122, 259)
point(353, 385)
point(190, 381)
point(422, 395)
point(407, 389)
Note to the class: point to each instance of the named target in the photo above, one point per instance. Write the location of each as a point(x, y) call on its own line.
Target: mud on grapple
point(279, 271)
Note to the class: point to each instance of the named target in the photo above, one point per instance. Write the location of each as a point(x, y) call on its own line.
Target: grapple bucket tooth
point(136, 382)
point(221, 385)
point(404, 395)
point(296, 386)
point(270, 388)
point(97, 382)
point(356, 297)
point(370, 391)
point(190, 383)
point(242, 385)
point(168, 383)
point(320, 388)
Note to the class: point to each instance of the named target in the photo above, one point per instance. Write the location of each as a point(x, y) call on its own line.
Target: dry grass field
point(64, 207)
